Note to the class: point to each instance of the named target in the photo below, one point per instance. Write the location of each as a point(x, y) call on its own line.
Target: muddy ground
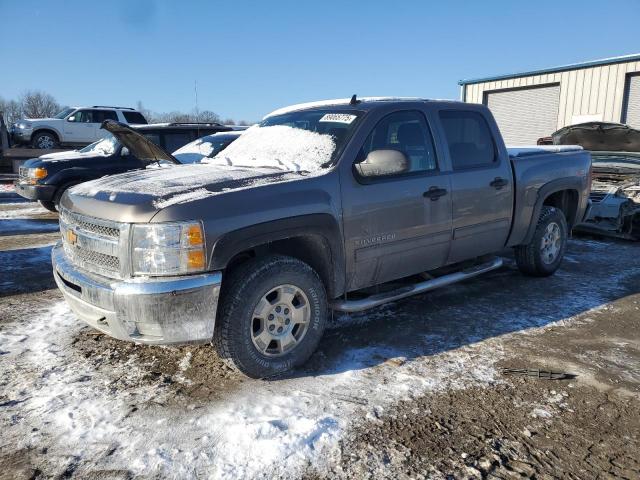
point(415, 389)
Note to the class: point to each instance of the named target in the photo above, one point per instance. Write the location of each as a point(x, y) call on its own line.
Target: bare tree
point(243, 123)
point(11, 109)
point(229, 121)
point(37, 104)
point(208, 116)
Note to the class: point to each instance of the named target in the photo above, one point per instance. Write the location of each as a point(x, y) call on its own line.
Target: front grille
point(92, 243)
point(108, 262)
point(597, 197)
point(23, 173)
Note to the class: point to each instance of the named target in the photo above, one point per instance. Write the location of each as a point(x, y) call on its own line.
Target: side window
point(173, 141)
point(469, 139)
point(82, 116)
point(134, 117)
point(400, 143)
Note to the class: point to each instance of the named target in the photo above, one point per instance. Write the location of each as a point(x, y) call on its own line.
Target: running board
point(351, 306)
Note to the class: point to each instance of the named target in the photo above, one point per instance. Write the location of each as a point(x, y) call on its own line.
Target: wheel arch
point(564, 194)
point(314, 239)
point(47, 129)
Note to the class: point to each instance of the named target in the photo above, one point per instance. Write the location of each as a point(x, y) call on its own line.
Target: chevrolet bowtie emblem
point(72, 238)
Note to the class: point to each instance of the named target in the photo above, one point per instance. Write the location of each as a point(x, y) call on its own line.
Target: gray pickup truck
point(339, 205)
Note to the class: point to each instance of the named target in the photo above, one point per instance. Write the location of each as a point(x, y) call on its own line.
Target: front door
point(481, 186)
point(81, 127)
point(397, 204)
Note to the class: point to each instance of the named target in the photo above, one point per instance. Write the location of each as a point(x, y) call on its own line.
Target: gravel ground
point(414, 389)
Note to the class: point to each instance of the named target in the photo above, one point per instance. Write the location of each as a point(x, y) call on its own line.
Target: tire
point(48, 205)
point(243, 327)
point(44, 140)
point(543, 255)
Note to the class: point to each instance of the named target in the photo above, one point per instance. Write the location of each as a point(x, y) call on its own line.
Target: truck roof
point(363, 103)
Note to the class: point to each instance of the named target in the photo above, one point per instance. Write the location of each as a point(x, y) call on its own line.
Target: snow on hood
point(163, 187)
point(278, 146)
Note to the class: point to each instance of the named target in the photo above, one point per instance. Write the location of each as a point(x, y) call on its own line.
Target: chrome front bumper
point(150, 310)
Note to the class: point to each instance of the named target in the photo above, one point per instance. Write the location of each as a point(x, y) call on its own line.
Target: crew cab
point(71, 126)
point(342, 205)
point(47, 177)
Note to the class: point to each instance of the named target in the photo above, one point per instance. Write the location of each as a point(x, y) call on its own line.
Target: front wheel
point(44, 141)
point(272, 315)
point(542, 256)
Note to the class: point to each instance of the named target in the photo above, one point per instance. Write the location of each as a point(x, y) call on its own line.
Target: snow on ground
point(111, 418)
point(272, 428)
point(21, 210)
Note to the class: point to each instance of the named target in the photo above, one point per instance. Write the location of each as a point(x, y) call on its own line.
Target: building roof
point(573, 66)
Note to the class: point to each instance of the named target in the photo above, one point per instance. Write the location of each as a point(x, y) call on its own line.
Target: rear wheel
point(48, 205)
point(44, 140)
point(272, 315)
point(542, 256)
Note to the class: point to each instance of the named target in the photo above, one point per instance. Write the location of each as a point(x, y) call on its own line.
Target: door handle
point(498, 183)
point(434, 193)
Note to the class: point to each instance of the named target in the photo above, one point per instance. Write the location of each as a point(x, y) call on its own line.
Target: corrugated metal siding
point(632, 114)
point(585, 93)
point(525, 114)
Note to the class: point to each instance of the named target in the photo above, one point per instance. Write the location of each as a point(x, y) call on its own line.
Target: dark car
point(46, 178)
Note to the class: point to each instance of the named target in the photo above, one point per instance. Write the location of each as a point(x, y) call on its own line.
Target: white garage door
point(527, 114)
point(632, 116)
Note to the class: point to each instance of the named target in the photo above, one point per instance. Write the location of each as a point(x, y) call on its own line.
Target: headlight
point(23, 125)
point(35, 174)
point(168, 248)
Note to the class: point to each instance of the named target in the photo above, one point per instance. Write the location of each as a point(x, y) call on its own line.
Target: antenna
point(354, 100)
point(195, 89)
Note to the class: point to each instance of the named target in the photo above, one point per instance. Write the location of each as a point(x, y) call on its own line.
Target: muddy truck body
point(339, 205)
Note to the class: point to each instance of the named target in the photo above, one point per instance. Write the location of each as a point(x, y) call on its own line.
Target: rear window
point(134, 117)
point(469, 139)
point(173, 141)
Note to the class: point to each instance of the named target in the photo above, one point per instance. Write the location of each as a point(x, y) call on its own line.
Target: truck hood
point(137, 195)
point(599, 136)
point(139, 146)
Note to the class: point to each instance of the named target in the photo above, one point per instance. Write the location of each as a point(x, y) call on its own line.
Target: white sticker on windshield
point(338, 118)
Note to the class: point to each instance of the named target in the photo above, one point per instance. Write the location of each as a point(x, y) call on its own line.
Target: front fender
point(321, 225)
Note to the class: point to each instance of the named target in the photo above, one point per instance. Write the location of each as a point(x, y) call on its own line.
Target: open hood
point(599, 137)
point(139, 146)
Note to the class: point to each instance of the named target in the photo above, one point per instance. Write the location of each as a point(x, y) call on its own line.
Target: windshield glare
point(106, 146)
point(202, 148)
point(296, 141)
point(64, 113)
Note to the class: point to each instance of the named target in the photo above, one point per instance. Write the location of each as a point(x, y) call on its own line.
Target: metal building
point(530, 105)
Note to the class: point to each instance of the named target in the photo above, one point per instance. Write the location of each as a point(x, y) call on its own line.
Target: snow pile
point(278, 146)
point(22, 210)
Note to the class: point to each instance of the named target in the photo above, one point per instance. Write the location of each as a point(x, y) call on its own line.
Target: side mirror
point(380, 163)
point(124, 152)
point(72, 118)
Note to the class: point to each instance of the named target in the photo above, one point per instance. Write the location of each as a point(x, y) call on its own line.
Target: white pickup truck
point(72, 126)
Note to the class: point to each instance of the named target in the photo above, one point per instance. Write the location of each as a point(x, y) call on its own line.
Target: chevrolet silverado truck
point(339, 205)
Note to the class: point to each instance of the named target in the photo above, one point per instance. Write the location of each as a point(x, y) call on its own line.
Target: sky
point(250, 57)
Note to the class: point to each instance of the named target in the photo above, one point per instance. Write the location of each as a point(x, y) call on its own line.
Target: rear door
point(481, 184)
point(396, 224)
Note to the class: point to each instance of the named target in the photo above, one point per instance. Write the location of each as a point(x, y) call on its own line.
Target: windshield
point(298, 141)
point(205, 147)
point(106, 146)
point(64, 113)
